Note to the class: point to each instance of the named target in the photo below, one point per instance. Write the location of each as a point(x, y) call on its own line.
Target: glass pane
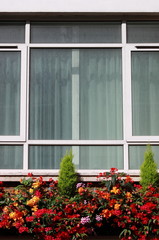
point(46, 157)
point(76, 94)
point(143, 32)
point(100, 75)
point(85, 157)
point(11, 32)
point(101, 157)
point(11, 157)
point(136, 155)
point(51, 94)
point(145, 97)
point(10, 71)
point(76, 32)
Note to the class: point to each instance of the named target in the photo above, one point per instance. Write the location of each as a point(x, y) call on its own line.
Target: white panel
point(79, 6)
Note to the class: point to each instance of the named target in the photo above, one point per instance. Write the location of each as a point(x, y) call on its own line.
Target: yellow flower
point(34, 208)
point(115, 190)
point(116, 206)
point(33, 201)
point(128, 195)
point(13, 215)
point(16, 191)
point(15, 204)
point(36, 184)
point(31, 190)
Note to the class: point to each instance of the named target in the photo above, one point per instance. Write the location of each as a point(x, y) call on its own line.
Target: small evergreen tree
point(148, 170)
point(67, 176)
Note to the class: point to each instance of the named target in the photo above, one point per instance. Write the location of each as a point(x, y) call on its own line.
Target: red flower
point(23, 229)
point(30, 219)
point(148, 207)
point(113, 170)
point(30, 174)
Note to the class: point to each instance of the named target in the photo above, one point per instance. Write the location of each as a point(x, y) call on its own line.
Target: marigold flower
point(31, 190)
point(34, 208)
point(115, 190)
point(81, 190)
point(15, 204)
point(5, 209)
point(106, 213)
point(128, 195)
point(33, 201)
point(13, 215)
point(16, 192)
point(106, 196)
point(116, 206)
point(36, 184)
point(16, 215)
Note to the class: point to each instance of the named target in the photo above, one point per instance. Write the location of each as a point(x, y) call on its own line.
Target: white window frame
point(129, 49)
point(21, 136)
point(128, 139)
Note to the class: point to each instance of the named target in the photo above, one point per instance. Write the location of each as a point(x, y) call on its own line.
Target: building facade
point(82, 76)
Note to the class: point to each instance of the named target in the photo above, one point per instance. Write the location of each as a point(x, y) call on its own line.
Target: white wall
point(139, 6)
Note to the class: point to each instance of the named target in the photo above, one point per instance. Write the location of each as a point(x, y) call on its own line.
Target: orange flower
point(81, 190)
point(106, 213)
point(15, 204)
point(112, 202)
point(106, 196)
point(33, 201)
point(115, 190)
point(36, 184)
point(5, 209)
point(13, 215)
point(34, 208)
point(16, 215)
point(116, 206)
point(128, 195)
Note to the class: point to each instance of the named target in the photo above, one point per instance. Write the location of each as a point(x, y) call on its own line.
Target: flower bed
point(35, 207)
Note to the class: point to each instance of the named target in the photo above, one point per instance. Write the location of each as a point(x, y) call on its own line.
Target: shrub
point(148, 170)
point(67, 177)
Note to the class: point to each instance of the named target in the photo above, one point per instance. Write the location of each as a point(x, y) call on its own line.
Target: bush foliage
point(148, 170)
point(67, 176)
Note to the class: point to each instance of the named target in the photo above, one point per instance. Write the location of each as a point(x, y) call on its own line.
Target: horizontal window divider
point(76, 45)
point(142, 45)
point(76, 142)
point(12, 143)
point(142, 142)
point(8, 47)
point(149, 47)
point(15, 139)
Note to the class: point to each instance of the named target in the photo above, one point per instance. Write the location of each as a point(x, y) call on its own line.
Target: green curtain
point(145, 94)
point(10, 70)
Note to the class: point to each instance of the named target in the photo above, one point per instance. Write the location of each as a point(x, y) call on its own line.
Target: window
point(87, 86)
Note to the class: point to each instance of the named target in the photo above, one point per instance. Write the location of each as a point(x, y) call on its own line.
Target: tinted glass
point(105, 32)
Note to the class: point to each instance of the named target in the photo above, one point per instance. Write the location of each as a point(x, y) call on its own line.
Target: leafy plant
point(67, 177)
point(148, 170)
point(113, 178)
